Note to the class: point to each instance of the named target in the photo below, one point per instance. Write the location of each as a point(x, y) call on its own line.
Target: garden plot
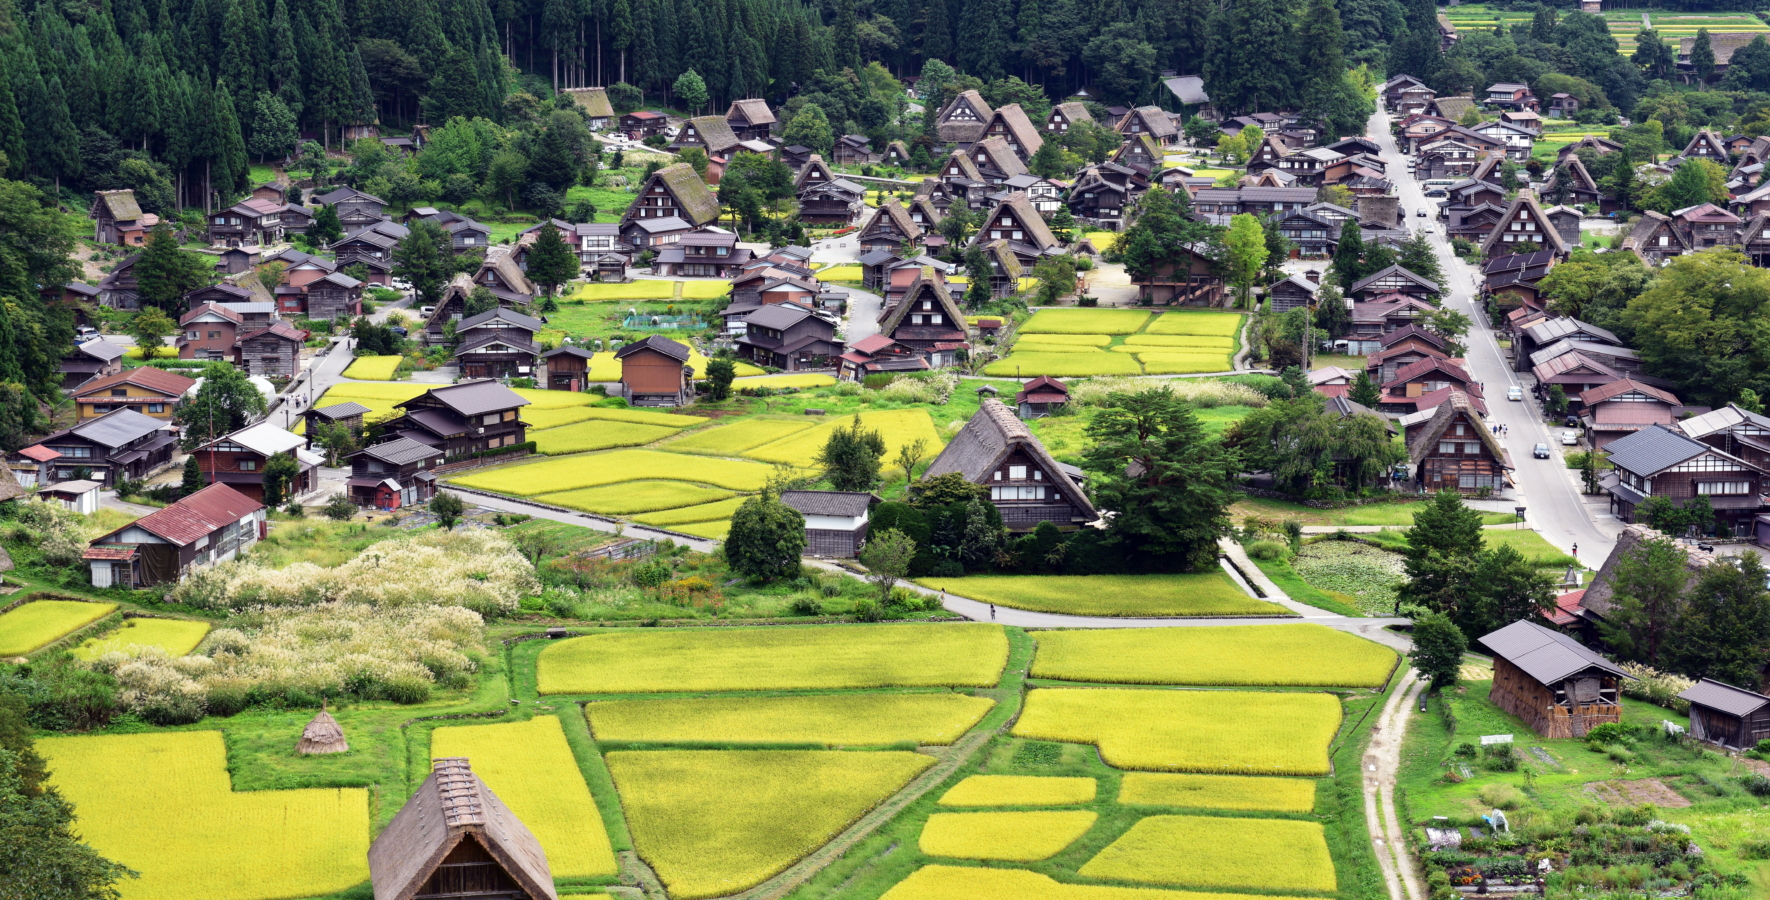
point(1019, 790)
point(42, 622)
point(715, 822)
point(977, 883)
point(616, 467)
point(1085, 321)
point(373, 368)
point(531, 768)
point(1354, 573)
point(1229, 732)
point(1144, 343)
point(635, 497)
point(1197, 594)
point(897, 426)
point(1249, 794)
point(741, 435)
point(853, 720)
point(1013, 836)
point(596, 434)
point(712, 531)
point(1258, 854)
point(1184, 363)
point(775, 659)
point(796, 380)
point(162, 805)
point(542, 419)
point(1301, 655)
point(176, 637)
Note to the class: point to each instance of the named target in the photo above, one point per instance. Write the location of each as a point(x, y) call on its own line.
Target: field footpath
point(1382, 759)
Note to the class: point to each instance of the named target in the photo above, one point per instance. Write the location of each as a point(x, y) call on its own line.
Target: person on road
point(992, 612)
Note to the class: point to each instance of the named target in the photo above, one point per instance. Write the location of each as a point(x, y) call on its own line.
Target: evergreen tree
point(325, 228)
point(1702, 57)
point(455, 91)
point(1152, 462)
point(1438, 649)
point(1248, 82)
point(273, 127)
point(193, 480)
point(1364, 390)
point(551, 262)
point(1349, 255)
point(1443, 545)
point(164, 273)
point(1724, 631)
point(423, 260)
point(1321, 45)
point(13, 155)
point(852, 457)
point(937, 31)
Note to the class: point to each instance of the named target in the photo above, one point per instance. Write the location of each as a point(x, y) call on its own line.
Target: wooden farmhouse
point(852, 150)
point(963, 120)
point(456, 839)
point(995, 449)
point(675, 190)
point(462, 419)
point(350, 415)
point(89, 361)
point(1658, 461)
point(835, 521)
point(273, 351)
point(835, 202)
point(1011, 124)
point(712, 134)
point(210, 526)
point(1728, 717)
point(655, 372)
point(1192, 282)
point(567, 368)
point(788, 336)
point(896, 154)
point(119, 444)
point(643, 123)
point(497, 343)
point(891, 229)
point(238, 460)
point(393, 474)
point(1150, 120)
point(117, 219)
point(750, 120)
point(927, 321)
point(1456, 451)
point(355, 208)
point(598, 112)
point(1040, 397)
point(1548, 679)
point(1523, 223)
point(1063, 115)
point(146, 390)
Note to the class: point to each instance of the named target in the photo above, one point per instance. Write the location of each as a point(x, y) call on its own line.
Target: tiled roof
point(167, 383)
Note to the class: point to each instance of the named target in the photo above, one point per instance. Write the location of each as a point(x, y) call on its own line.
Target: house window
point(491, 419)
point(467, 241)
point(1028, 492)
point(1447, 446)
point(119, 392)
point(1017, 473)
point(1706, 488)
point(998, 474)
point(248, 465)
point(156, 407)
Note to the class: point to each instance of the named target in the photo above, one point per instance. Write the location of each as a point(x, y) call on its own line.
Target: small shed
point(568, 368)
point(77, 496)
point(655, 372)
point(835, 521)
point(1557, 686)
point(1040, 396)
point(456, 839)
point(322, 735)
point(346, 414)
point(1727, 716)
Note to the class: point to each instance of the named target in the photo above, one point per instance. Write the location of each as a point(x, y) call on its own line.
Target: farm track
point(1381, 761)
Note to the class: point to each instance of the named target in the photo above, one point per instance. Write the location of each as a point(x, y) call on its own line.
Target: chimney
point(1314, 276)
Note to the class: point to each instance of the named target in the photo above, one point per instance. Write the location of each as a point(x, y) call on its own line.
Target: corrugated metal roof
point(399, 451)
point(829, 503)
point(341, 410)
point(1724, 697)
point(1548, 656)
point(195, 516)
point(114, 429)
point(1653, 449)
point(169, 383)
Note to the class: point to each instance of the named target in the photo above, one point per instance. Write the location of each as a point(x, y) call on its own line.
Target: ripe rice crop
point(543, 399)
point(775, 659)
point(1197, 594)
point(837, 720)
point(1103, 241)
point(1220, 324)
point(796, 380)
point(643, 417)
point(712, 531)
point(898, 426)
point(1144, 342)
point(556, 475)
point(604, 368)
point(373, 368)
point(542, 419)
point(1264, 854)
point(1217, 792)
point(1065, 365)
point(741, 435)
point(1302, 655)
point(1032, 344)
point(1080, 340)
point(1019, 790)
point(1184, 363)
point(1230, 732)
point(162, 804)
point(1085, 321)
point(1204, 393)
point(596, 434)
point(396, 391)
point(715, 822)
point(531, 768)
point(176, 637)
point(839, 273)
point(705, 290)
point(980, 883)
point(1014, 836)
point(43, 621)
point(642, 289)
point(717, 511)
point(635, 497)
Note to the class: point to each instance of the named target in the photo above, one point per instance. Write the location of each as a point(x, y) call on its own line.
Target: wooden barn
point(1552, 682)
point(835, 521)
point(1040, 397)
point(1729, 717)
point(568, 369)
point(996, 450)
point(456, 839)
point(655, 372)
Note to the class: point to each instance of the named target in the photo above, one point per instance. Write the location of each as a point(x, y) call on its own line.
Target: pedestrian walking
point(992, 612)
point(1576, 551)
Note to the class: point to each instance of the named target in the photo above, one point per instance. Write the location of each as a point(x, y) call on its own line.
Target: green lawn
point(1399, 513)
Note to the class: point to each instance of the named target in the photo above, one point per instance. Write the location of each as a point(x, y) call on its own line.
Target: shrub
point(339, 507)
point(934, 387)
point(869, 610)
point(652, 574)
point(805, 606)
point(1757, 785)
point(1268, 550)
point(1201, 392)
point(1500, 795)
point(1656, 687)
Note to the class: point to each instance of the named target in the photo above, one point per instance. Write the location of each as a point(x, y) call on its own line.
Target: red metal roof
point(39, 453)
point(1567, 608)
point(197, 515)
point(168, 383)
point(117, 552)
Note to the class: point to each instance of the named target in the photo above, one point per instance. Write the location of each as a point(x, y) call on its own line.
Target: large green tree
point(1705, 323)
point(226, 402)
point(551, 261)
point(164, 273)
point(1443, 546)
point(1724, 631)
point(766, 539)
point(423, 258)
point(1647, 599)
point(852, 457)
point(1165, 480)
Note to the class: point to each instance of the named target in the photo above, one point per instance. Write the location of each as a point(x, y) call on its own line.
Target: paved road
point(1546, 488)
point(863, 314)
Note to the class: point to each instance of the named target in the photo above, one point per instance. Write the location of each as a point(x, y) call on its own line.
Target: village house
point(1741, 432)
point(1572, 182)
point(456, 839)
point(996, 162)
point(1150, 120)
point(567, 368)
point(1141, 154)
point(250, 222)
point(602, 255)
point(835, 521)
point(238, 460)
point(1040, 397)
point(1655, 239)
point(74, 496)
point(1099, 203)
point(1517, 141)
point(593, 101)
point(876, 355)
point(332, 297)
point(1507, 95)
point(1557, 686)
point(1011, 124)
point(1522, 228)
point(91, 360)
point(210, 526)
point(655, 372)
point(1540, 335)
point(963, 120)
point(996, 450)
point(393, 474)
point(1392, 90)
point(1292, 292)
point(889, 229)
point(790, 337)
point(1563, 106)
point(1659, 461)
point(1063, 115)
point(208, 332)
point(349, 414)
point(836, 202)
point(852, 150)
point(674, 191)
point(927, 320)
point(272, 351)
point(712, 134)
point(1706, 145)
point(147, 390)
point(653, 234)
point(643, 123)
point(896, 154)
point(1726, 716)
point(355, 209)
point(1706, 225)
point(462, 419)
point(1456, 451)
point(1014, 220)
point(703, 254)
point(117, 219)
point(497, 343)
point(1393, 280)
point(1194, 282)
point(1308, 234)
point(500, 274)
point(1401, 348)
point(1623, 407)
point(119, 444)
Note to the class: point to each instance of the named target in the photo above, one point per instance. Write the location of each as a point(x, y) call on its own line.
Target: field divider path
point(1381, 761)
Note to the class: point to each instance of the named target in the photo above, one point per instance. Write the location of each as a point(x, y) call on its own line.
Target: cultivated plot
point(897, 426)
point(1085, 321)
point(974, 883)
point(852, 720)
point(616, 467)
point(735, 438)
point(1235, 732)
point(1298, 654)
point(1194, 594)
point(635, 497)
point(1259, 854)
point(41, 622)
point(1063, 365)
point(718, 511)
point(1019, 790)
point(1013, 836)
point(1217, 792)
point(1220, 324)
point(596, 434)
point(176, 637)
point(372, 368)
point(775, 659)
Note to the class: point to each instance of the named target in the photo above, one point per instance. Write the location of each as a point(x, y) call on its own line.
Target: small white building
point(78, 496)
point(835, 521)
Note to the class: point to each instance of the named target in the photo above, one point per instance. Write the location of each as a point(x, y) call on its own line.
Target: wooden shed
point(1040, 397)
point(456, 839)
point(835, 521)
point(655, 372)
point(568, 369)
point(1558, 687)
point(1729, 717)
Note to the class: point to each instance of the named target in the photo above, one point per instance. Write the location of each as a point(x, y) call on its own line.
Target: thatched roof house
point(456, 838)
point(322, 735)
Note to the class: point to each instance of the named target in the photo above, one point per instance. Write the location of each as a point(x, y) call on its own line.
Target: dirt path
point(1381, 761)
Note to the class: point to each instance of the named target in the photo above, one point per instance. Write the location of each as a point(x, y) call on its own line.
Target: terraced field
point(1104, 342)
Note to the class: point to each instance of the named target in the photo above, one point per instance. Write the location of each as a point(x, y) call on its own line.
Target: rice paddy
point(1019, 790)
point(596, 434)
point(1085, 321)
point(1228, 732)
point(741, 435)
point(775, 659)
point(42, 622)
point(1142, 343)
point(840, 273)
point(162, 804)
point(977, 883)
point(791, 380)
point(897, 426)
point(635, 497)
point(1062, 365)
point(712, 531)
point(716, 511)
point(1259, 854)
point(1196, 594)
point(835, 720)
point(531, 768)
point(1299, 654)
point(542, 419)
point(373, 368)
point(1183, 363)
point(714, 822)
point(615, 467)
point(1080, 340)
point(1294, 795)
point(1012, 836)
point(176, 637)
point(1218, 324)
point(1074, 343)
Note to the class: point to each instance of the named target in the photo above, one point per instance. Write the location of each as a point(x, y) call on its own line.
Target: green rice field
point(1197, 594)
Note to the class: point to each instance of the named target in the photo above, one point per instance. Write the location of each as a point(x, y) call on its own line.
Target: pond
point(1367, 576)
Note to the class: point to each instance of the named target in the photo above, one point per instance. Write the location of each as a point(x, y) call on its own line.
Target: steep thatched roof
point(715, 132)
point(988, 438)
point(593, 100)
point(699, 206)
point(322, 735)
point(121, 204)
point(899, 217)
point(450, 808)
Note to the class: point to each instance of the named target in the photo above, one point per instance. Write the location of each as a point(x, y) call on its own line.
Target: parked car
point(1569, 438)
point(1514, 393)
point(85, 333)
point(1540, 451)
point(426, 311)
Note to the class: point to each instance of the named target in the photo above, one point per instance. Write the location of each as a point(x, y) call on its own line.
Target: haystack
point(322, 735)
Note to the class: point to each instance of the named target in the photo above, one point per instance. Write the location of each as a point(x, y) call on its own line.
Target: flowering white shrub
point(1656, 687)
point(474, 568)
point(935, 387)
point(1203, 392)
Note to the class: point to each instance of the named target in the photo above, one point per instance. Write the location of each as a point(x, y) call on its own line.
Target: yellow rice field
point(1080, 340)
point(1013, 836)
point(638, 416)
point(897, 426)
point(615, 467)
point(718, 510)
point(596, 434)
point(741, 435)
point(635, 497)
point(1085, 321)
point(1219, 324)
point(775, 659)
point(1217, 792)
point(175, 636)
point(162, 804)
point(373, 368)
point(531, 768)
point(1019, 790)
point(540, 419)
point(42, 622)
point(1257, 854)
point(1184, 363)
point(1144, 343)
point(1230, 732)
point(980, 883)
point(790, 380)
point(1020, 364)
point(835, 720)
point(715, 822)
point(712, 531)
point(1298, 654)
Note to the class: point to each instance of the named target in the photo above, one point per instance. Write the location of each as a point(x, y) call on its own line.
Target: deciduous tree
point(851, 458)
point(1647, 600)
point(766, 539)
